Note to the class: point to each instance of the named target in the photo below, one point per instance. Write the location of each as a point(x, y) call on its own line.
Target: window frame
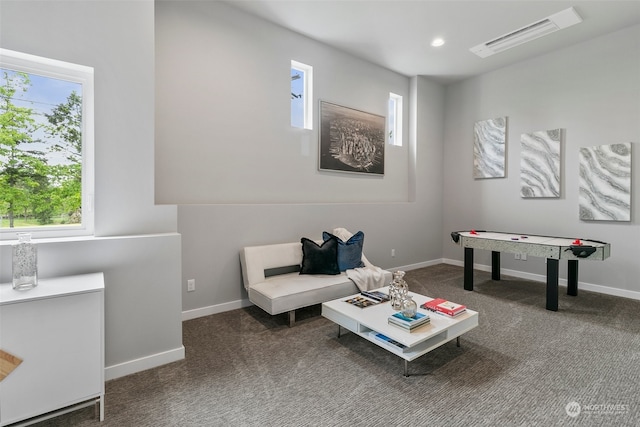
point(84, 75)
point(395, 100)
point(307, 93)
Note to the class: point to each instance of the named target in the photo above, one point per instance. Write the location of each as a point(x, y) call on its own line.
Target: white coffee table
point(368, 321)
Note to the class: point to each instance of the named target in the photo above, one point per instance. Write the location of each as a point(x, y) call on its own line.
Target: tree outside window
point(41, 151)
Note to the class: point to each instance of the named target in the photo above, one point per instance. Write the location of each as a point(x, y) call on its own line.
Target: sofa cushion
point(286, 292)
point(349, 252)
point(319, 259)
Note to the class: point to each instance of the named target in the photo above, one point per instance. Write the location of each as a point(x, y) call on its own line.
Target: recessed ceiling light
point(437, 42)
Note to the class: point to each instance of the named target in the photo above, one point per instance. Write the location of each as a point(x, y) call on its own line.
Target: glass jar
point(409, 307)
point(24, 263)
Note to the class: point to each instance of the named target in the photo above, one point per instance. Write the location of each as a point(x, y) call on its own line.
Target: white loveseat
point(285, 292)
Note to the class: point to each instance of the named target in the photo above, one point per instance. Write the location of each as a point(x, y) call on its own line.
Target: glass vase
point(24, 263)
point(409, 307)
point(398, 290)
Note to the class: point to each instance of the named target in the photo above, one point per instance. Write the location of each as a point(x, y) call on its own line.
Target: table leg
point(406, 368)
point(572, 279)
point(495, 265)
point(100, 410)
point(468, 269)
point(292, 318)
point(457, 341)
point(552, 284)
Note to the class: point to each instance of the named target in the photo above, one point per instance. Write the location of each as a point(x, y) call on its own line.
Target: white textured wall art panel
point(489, 147)
point(605, 183)
point(540, 163)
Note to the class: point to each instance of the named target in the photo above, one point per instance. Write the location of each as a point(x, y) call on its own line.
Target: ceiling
point(397, 34)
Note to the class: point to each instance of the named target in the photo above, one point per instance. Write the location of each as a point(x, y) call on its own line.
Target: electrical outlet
point(516, 256)
point(523, 257)
point(191, 285)
point(393, 253)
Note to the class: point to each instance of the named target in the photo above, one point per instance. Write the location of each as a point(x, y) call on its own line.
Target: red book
point(443, 306)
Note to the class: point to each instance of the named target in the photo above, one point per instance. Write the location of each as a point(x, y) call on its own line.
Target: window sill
point(9, 242)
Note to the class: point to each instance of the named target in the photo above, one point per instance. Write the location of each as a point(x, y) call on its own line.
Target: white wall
point(138, 248)
point(592, 91)
point(242, 176)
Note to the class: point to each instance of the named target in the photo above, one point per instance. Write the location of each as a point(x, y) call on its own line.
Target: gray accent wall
point(136, 243)
point(225, 151)
point(590, 90)
point(223, 103)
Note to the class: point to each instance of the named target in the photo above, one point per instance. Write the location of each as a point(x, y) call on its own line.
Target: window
point(46, 146)
point(394, 120)
point(301, 95)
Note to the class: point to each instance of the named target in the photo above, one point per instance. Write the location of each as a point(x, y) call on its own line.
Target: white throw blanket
point(367, 277)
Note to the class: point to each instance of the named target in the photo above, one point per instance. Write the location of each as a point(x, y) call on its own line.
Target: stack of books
point(409, 323)
point(388, 341)
point(376, 295)
point(442, 306)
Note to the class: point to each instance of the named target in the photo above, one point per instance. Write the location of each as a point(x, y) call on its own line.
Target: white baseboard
point(143, 363)
point(220, 308)
point(214, 309)
point(416, 266)
point(561, 282)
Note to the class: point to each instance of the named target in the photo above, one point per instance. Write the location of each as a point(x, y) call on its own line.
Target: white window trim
point(397, 131)
point(307, 92)
point(47, 67)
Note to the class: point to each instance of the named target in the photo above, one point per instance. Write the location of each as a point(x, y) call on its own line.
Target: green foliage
point(30, 187)
point(66, 123)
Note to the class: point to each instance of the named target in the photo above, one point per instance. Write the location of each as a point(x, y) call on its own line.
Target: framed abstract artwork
point(540, 163)
point(351, 140)
point(489, 148)
point(605, 183)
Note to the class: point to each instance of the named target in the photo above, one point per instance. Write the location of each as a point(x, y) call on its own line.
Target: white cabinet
point(57, 329)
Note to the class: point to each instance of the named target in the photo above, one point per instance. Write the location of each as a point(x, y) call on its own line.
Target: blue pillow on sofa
point(349, 252)
point(319, 259)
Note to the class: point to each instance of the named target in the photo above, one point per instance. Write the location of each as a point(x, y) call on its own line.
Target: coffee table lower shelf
point(366, 322)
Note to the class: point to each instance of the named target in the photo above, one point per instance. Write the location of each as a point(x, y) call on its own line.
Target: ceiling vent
point(551, 24)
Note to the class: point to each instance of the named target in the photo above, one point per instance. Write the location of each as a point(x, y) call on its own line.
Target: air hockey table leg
point(572, 279)
point(552, 284)
point(495, 265)
point(468, 269)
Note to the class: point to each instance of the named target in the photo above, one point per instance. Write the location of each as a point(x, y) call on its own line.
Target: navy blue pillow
point(318, 259)
point(349, 252)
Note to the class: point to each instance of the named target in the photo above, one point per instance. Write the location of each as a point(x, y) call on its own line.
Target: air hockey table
point(552, 248)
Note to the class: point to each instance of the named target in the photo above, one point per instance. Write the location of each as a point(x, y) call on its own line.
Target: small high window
point(301, 95)
point(46, 146)
point(394, 120)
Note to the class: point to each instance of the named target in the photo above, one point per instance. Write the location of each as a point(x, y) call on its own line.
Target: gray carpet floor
point(522, 366)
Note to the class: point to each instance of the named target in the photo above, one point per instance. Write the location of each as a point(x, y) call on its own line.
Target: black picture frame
point(351, 140)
